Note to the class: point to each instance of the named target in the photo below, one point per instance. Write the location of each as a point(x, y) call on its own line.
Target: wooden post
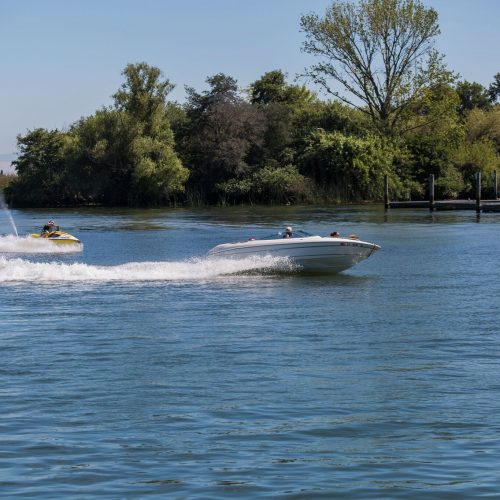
point(495, 191)
point(478, 192)
point(431, 192)
point(386, 191)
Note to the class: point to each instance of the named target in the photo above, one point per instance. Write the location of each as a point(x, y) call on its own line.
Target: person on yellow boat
point(49, 228)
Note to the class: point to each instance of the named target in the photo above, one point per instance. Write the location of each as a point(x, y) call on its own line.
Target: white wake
point(19, 270)
point(27, 244)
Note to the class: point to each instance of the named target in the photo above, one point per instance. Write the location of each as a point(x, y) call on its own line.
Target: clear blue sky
point(61, 59)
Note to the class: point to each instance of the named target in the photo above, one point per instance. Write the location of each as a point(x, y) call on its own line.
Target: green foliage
point(350, 168)
point(41, 169)
point(472, 95)
point(118, 156)
point(380, 51)
point(403, 184)
point(267, 185)
point(280, 184)
point(158, 172)
point(450, 183)
point(480, 152)
point(5, 180)
point(478, 156)
point(272, 88)
point(102, 166)
point(432, 132)
point(235, 191)
point(434, 113)
point(430, 154)
point(481, 125)
point(143, 93)
point(222, 131)
point(283, 145)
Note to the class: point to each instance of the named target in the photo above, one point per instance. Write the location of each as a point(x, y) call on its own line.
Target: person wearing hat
point(288, 232)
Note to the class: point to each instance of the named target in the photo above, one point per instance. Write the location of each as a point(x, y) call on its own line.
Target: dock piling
point(478, 192)
point(386, 191)
point(431, 192)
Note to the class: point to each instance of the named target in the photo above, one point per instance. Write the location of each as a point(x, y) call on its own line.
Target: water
point(134, 367)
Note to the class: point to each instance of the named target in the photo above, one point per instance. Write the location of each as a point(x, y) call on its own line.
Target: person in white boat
point(335, 234)
point(288, 232)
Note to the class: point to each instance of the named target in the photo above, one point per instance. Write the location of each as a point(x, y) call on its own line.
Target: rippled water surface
point(134, 367)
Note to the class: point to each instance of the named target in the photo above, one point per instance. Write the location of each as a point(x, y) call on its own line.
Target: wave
point(27, 244)
point(19, 270)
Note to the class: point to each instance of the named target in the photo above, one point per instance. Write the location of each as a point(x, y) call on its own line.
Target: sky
point(61, 60)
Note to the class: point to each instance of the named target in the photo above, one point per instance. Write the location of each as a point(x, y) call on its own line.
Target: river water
point(135, 367)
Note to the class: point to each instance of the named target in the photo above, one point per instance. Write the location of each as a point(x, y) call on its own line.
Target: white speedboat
point(308, 252)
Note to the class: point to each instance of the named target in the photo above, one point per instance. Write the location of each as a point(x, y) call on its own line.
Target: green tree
point(280, 185)
point(267, 185)
point(143, 94)
point(480, 152)
point(157, 172)
point(473, 157)
point(483, 125)
point(433, 134)
point(380, 51)
point(472, 95)
point(102, 166)
point(222, 130)
point(272, 88)
point(346, 167)
point(280, 103)
point(41, 169)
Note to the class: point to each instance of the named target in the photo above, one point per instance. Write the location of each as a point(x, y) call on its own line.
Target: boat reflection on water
point(310, 253)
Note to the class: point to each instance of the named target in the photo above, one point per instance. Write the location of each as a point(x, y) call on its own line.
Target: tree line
point(394, 109)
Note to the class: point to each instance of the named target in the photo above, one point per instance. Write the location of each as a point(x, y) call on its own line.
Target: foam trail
point(15, 270)
point(27, 244)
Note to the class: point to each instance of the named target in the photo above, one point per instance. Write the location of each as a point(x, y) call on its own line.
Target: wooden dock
point(479, 205)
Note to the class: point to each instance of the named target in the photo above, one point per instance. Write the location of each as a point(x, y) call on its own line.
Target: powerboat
point(58, 237)
point(310, 253)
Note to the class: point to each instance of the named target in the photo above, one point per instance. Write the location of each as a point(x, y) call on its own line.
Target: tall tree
point(222, 130)
point(143, 93)
point(380, 51)
point(157, 172)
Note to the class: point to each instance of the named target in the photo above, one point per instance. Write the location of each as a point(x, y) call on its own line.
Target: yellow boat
point(58, 237)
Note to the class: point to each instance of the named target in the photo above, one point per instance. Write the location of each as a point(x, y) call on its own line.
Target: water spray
point(4, 206)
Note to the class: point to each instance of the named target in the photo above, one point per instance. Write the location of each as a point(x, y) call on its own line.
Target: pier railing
point(477, 204)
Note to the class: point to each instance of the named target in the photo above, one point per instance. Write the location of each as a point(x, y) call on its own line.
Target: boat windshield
point(280, 234)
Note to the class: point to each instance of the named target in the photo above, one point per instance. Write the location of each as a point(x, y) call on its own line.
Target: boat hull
point(58, 238)
point(312, 254)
